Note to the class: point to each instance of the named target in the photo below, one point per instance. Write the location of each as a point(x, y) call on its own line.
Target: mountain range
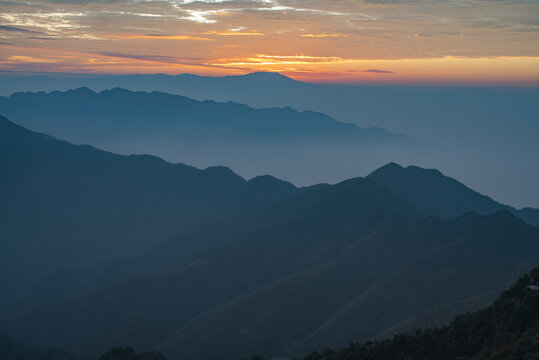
point(433, 193)
point(64, 204)
point(13, 349)
point(278, 141)
point(270, 89)
point(486, 136)
point(204, 264)
point(507, 329)
point(82, 115)
point(422, 111)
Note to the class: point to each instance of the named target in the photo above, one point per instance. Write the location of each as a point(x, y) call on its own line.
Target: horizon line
point(302, 79)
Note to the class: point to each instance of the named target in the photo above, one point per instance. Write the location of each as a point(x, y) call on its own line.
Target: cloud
point(329, 35)
point(324, 35)
point(29, 59)
point(41, 38)
point(376, 71)
point(233, 33)
point(17, 29)
point(83, 2)
point(15, 3)
point(299, 57)
point(188, 61)
point(156, 58)
point(157, 36)
point(390, 1)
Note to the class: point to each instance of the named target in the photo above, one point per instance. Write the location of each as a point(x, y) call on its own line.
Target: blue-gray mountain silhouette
point(64, 204)
point(413, 110)
point(507, 329)
point(492, 131)
point(328, 266)
point(278, 141)
point(84, 116)
point(433, 193)
point(257, 267)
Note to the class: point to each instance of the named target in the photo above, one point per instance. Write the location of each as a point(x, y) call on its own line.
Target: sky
point(461, 41)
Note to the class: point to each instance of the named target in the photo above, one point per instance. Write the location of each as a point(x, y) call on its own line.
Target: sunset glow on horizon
point(319, 41)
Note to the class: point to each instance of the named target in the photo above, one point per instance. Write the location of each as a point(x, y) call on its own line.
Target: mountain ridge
point(258, 251)
point(138, 199)
point(119, 91)
point(505, 329)
point(434, 193)
point(279, 141)
point(450, 121)
point(321, 262)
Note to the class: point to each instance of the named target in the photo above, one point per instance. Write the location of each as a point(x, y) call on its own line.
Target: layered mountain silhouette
point(308, 281)
point(487, 136)
point(506, 329)
point(416, 110)
point(269, 89)
point(63, 204)
point(433, 193)
point(278, 141)
point(249, 267)
point(84, 116)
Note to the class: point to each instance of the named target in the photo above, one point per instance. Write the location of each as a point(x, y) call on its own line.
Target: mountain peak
point(266, 75)
point(117, 90)
point(432, 192)
point(222, 173)
point(81, 90)
point(268, 180)
point(411, 172)
point(390, 166)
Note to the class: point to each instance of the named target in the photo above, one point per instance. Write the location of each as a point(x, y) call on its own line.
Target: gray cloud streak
point(17, 29)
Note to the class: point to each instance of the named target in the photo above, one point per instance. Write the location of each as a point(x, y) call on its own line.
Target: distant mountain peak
point(263, 178)
point(119, 90)
point(390, 166)
point(434, 193)
point(266, 75)
point(223, 172)
point(412, 171)
point(268, 180)
point(81, 90)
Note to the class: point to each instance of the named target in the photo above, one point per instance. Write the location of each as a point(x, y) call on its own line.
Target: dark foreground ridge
point(508, 329)
point(433, 193)
point(250, 267)
point(13, 349)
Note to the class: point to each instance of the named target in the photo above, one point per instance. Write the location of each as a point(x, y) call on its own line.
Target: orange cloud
point(500, 70)
point(29, 59)
point(324, 35)
point(162, 37)
point(447, 69)
point(304, 58)
point(339, 40)
point(233, 33)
